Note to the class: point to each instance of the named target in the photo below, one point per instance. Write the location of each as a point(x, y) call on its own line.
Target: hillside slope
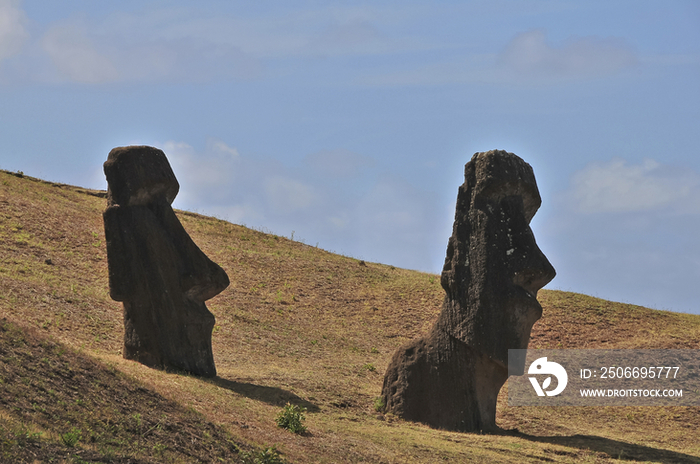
point(297, 324)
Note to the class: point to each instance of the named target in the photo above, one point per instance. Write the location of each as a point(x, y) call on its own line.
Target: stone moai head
point(139, 175)
point(494, 268)
point(155, 268)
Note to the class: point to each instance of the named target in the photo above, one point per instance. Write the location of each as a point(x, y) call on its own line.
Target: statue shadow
point(614, 448)
point(270, 395)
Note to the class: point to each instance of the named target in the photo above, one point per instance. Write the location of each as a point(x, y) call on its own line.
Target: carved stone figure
point(155, 268)
point(450, 378)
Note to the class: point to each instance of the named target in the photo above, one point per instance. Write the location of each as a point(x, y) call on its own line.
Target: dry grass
point(297, 324)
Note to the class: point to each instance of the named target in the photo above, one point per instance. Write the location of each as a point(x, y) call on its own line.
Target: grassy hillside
point(297, 324)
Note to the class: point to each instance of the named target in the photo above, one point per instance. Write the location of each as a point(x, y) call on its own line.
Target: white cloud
point(287, 195)
point(527, 58)
point(81, 56)
point(177, 149)
point(352, 37)
point(180, 44)
point(75, 56)
point(625, 232)
point(184, 59)
point(339, 223)
point(530, 54)
point(616, 186)
point(118, 48)
point(382, 218)
point(206, 174)
point(217, 146)
point(279, 32)
point(13, 33)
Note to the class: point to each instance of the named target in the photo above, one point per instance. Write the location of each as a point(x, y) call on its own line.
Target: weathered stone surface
point(155, 268)
point(451, 377)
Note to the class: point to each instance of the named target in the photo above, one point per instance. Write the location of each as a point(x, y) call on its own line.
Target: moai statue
point(155, 268)
point(450, 378)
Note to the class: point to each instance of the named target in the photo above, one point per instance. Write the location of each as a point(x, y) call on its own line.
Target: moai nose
point(536, 272)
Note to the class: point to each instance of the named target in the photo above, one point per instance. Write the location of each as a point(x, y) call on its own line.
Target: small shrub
point(70, 439)
point(269, 455)
point(159, 449)
point(379, 404)
point(292, 418)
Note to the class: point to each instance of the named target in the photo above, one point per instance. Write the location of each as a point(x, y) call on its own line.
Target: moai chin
point(155, 268)
point(450, 378)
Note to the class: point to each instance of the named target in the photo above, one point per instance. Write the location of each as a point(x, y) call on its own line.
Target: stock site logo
point(542, 366)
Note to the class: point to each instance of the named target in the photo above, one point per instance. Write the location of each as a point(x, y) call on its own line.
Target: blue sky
point(348, 124)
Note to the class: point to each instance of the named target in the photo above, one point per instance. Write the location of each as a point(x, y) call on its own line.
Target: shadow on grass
point(271, 395)
point(613, 448)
